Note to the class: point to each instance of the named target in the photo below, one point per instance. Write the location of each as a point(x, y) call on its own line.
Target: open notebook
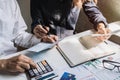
point(77, 50)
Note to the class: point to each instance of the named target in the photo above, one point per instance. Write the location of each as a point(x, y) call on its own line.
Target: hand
point(40, 32)
point(17, 64)
point(50, 38)
point(102, 30)
point(78, 3)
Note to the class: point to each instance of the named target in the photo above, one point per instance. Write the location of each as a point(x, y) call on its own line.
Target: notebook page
point(74, 50)
point(89, 42)
point(102, 49)
point(96, 47)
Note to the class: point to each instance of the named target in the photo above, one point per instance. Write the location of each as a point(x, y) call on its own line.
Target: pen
point(48, 33)
point(95, 35)
point(105, 42)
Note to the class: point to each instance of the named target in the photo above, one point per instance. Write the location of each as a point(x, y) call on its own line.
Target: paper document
point(41, 46)
point(96, 67)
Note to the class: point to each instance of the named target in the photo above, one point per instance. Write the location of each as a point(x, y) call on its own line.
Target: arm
point(93, 13)
point(96, 17)
point(16, 64)
point(21, 37)
point(38, 27)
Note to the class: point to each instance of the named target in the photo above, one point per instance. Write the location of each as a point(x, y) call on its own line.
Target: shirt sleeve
point(73, 17)
point(93, 13)
point(21, 37)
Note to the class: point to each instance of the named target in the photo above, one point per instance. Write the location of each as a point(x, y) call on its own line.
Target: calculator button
point(39, 70)
point(46, 65)
point(36, 72)
point(31, 73)
point(49, 69)
point(42, 67)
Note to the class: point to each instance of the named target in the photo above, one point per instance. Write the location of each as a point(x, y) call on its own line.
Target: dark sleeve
point(93, 13)
point(35, 13)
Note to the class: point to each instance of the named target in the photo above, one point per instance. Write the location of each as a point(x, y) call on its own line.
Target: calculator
point(43, 72)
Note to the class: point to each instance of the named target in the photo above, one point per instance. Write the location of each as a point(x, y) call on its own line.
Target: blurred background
point(109, 8)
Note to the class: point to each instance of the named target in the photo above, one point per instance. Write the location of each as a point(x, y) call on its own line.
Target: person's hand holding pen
point(43, 33)
point(101, 29)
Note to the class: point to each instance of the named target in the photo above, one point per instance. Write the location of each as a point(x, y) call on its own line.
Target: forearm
point(26, 40)
point(93, 13)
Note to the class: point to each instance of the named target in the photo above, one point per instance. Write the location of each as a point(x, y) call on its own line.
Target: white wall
point(110, 9)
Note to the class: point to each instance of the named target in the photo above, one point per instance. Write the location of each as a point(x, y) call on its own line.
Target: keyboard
point(43, 72)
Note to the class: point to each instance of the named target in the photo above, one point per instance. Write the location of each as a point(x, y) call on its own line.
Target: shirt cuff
point(35, 40)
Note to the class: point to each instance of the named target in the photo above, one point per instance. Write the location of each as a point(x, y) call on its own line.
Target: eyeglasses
point(111, 65)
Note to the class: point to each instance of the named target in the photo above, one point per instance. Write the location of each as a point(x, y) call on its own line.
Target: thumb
point(104, 30)
point(47, 28)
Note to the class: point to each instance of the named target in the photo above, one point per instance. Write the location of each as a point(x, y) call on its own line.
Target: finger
point(39, 28)
point(101, 27)
point(38, 35)
point(100, 39)
point(41, 34)
point(47, 28)
point(30, 62)
point(36, 29)
point(107, 32)
point(36, 32)
point(43, 30)
point(102, 30)
point(24, 65)
point(19, 69)
point(54, 37)
point(25, 59)
point(48, 39)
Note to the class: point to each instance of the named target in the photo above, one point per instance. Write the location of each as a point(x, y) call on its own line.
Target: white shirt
point(12, 28)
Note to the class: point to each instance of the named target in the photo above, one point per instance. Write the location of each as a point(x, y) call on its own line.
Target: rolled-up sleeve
point(93, 13)
point(21, 37)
